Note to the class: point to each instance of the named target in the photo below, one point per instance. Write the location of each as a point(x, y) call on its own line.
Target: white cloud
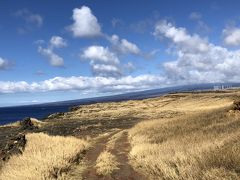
point(198, 61)
point(105, 70)
point(54, 59)
point(232, 36)
point(85, 84)
point(181, 38)
point(4, 64)
point(103, 62)
point(123, 46)
point(57, 42)
point(100, 54)
point(85, 23)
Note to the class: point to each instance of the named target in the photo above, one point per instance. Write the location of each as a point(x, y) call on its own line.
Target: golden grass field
point(176, 136)
point(201, 144)
point(45, 157)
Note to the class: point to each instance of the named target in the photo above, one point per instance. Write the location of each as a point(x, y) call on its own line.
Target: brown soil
point(121, 150)
point(91, 157)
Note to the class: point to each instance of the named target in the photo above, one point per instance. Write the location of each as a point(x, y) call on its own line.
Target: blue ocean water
point(12, 114)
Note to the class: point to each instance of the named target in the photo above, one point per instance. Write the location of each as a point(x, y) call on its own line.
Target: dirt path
point(92, 155)
point(121, 151)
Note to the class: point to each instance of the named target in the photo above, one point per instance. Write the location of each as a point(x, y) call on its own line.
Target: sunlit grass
point(204, 145)
point(45, 157)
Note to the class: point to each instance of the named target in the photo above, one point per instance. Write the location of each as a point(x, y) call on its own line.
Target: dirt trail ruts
point(92, 155)
point(121, 151)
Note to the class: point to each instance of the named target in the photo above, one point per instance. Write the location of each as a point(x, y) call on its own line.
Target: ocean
point(12, 114)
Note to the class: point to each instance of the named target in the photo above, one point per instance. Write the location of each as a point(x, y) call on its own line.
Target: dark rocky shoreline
point(12, 138)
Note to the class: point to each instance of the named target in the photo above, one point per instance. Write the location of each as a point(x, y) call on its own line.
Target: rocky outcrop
point(27, 124)
point(15, 145)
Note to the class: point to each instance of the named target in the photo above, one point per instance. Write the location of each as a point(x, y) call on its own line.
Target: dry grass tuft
point(45, 157)
point(220, 173)
point(106, 163)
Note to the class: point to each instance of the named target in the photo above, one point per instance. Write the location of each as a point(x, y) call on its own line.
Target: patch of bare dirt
point(125, 170)
point(120, 151)
point(91, 157)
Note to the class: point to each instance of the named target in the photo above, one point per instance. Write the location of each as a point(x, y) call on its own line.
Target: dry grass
point(45, 157)
point(152, 108)
point(35, 122)
point(185, 136)
point(106, 163)
point(201, 145)
point(112, 141)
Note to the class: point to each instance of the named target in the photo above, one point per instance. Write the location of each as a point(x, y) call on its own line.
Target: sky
point(71, 49)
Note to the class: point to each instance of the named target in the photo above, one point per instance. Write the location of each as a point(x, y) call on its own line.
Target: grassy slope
point(45, 157)
point(181, 136)
point(202, 144)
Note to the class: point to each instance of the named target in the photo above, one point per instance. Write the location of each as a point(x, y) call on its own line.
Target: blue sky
point(69, 49)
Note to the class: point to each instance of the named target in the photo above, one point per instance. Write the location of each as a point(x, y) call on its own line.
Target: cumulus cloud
point(124, 46)
point(198, 60)
point(85, 23)
point(105, 70)
point(85, 84)
point(57, 42)
point(232, 36)
point(4, 64)
point(48, 52)
point(103, 62)
point(54, 59)
point(180, 37)
point(100, 54)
